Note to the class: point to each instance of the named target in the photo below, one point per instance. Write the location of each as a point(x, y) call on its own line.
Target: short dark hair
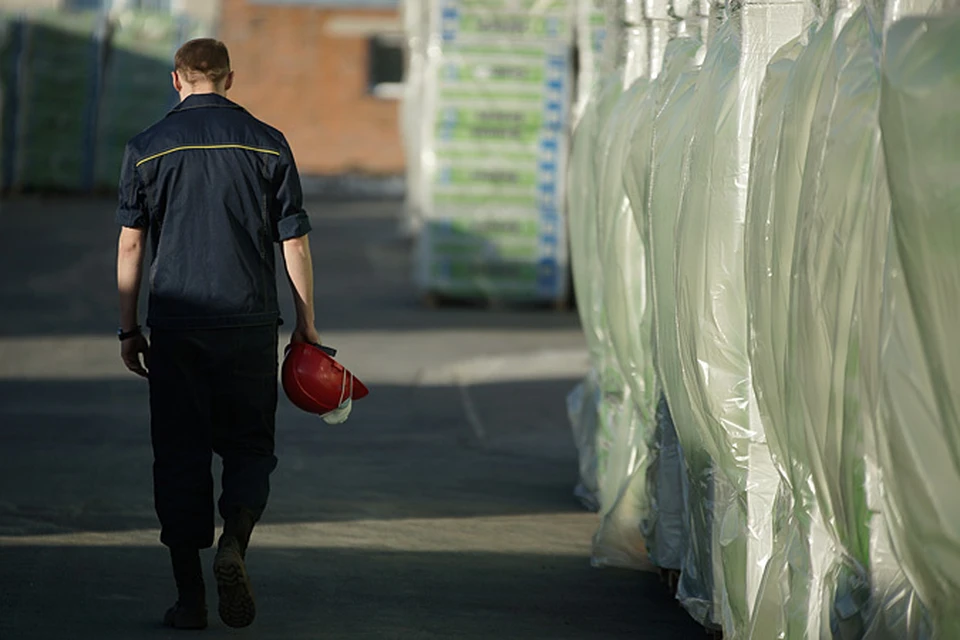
point(203, 59)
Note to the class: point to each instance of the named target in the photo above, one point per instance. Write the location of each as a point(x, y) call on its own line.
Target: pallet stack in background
point(76, 86)
point(496, 108)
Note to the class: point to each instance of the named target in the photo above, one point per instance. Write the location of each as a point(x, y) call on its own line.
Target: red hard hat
point(314, 381)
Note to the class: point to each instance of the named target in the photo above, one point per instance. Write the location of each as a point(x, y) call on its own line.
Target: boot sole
point(237, 608)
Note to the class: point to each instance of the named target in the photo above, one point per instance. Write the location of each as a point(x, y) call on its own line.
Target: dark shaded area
point(83, 461)
point(337, 593)
point(385, 60)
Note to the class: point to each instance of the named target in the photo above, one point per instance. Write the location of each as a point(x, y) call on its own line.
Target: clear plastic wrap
point(628, 290)
point(711, 299)
point(762, 266)
point(919, 430)
point(672, 131)
point(415, 25)
point(894, 612)
point(583, 404)
point(627, 406)
point(581, 209)
point(581, 222)
point(838, 201)
point(625, 297)
point(591, 35)
point(665, 530)
point(792, 578)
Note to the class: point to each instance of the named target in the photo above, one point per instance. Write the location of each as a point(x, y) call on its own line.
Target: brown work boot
point(190, 610)
point(237, 607)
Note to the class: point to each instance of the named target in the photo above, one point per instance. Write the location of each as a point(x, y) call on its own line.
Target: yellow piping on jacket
point(208, 146)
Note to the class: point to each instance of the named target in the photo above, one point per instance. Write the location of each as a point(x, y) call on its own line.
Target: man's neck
point(198, 90)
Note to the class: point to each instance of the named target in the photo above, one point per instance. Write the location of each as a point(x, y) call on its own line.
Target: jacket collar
point(204, 100)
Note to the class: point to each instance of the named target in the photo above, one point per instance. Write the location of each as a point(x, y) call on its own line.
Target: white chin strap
point(345, 406)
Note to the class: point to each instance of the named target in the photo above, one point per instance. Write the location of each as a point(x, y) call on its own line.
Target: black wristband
point(126, 335)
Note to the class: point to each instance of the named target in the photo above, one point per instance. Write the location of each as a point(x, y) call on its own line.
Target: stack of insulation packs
point(496, 102)
point(76, 86)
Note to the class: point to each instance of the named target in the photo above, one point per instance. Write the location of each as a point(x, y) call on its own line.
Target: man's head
point(202, 66)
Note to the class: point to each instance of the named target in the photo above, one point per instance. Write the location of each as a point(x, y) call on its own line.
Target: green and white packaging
point(497, 94)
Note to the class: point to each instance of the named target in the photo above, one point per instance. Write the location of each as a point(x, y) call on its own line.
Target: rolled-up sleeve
point(290, 218)
point(132, 209)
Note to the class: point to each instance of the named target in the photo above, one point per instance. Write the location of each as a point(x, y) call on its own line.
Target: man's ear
point(176, 81)
point(229, 82)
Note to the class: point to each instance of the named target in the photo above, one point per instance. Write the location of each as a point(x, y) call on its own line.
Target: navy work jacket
point(216, 188)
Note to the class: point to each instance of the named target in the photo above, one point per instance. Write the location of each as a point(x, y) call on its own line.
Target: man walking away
point(214, 188)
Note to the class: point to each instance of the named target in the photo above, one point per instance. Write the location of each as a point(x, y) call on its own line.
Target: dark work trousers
point(211, 391)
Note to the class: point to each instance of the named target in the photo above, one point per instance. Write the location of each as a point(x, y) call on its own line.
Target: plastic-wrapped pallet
point(415, 25)
point(593, 432)
point(672, 131)
point(792, 581)
point(918, 438)
point(621, 306)
point(711, 298)
point(843, 196)
point(625, 303)
point(51, 66)
point(625, 410)
point(584, 402)
point(591, 35)
point(628, 287)
point(894, 611)
point(764, 243)
point(496, 100)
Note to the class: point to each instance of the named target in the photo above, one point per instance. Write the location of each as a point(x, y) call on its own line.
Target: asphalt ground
point(444, 508)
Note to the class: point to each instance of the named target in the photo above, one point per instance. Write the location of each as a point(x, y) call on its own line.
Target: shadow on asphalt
point(345, 594)
point(77, 457)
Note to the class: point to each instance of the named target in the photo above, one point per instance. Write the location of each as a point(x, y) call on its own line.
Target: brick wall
point(297, 73)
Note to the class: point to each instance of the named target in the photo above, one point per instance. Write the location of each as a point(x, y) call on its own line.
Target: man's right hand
point(305, 334)
point(131, 352)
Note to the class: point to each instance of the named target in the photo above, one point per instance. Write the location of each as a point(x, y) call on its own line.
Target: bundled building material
point(497, 96)
point(794, 575)
point(622, 307)
point(629, 288)
point(581, 224)
point(918, 427)
point(711, 298)
point(842, 181)
point(51, 70)
point(416, 29)
point(76, 86)
point(591, 34)
point(672, 131)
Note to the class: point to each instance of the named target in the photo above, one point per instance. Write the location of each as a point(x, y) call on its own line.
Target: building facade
point(326, 73)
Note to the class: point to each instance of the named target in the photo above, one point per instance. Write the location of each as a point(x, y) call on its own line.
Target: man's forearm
point(296, 255)
point(130, 250)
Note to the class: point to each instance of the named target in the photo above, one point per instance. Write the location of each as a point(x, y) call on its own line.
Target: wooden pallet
point(433, 300)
